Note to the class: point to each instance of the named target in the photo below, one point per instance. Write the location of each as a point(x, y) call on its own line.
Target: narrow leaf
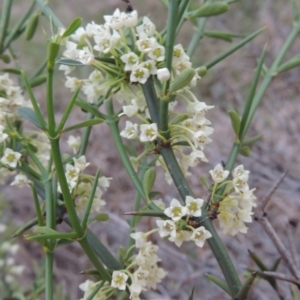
point(219, 282)
point(26, 227)
point(148, 180)
point(72, 27)
point(89, 108)
point(244, 290)
point(182, 80)
point(245, 151)
point(233, 49)
point(275, 264)
point(258, 261)
point(31, 26)
point(11, 70)
point(28, 114)
point(210, 9)
point(38, 80)
point(69, 62)
point(290, 64)
point(235, 121)
point(204, 180)
point(148, 213)
point(100, 218)
point(83, 124)
point(191, 297)
point(251, 140)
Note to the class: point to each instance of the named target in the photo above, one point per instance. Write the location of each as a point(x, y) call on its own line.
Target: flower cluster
point(81, 185)
point(8, 266)
point(236, 208)
point(124, 49)
point(178, 229)
point(143, 272)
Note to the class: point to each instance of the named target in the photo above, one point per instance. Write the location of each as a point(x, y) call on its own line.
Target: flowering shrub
point(141, 70)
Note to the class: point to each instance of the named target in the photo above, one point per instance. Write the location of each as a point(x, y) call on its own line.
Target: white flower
point(80, 162)
point(179, 54)
point(218, 174)
point(130, 132)
point(139, 74)
point(145, 45)
point(130, 19)
point(104, 182)
point(157, 53)
point(200, 235)
point(131, 109)
point(106, 42)
point(148, 132)
point(2, 227)
point(163, 74)
point(116, 21)
point(176, 211)
point(160, 204)
point(85, 56)
point(66, 69)
point(119, 280)
point(72, 175)
point(74, 143)
point(21, 181)
point(80, 35)
point(147, 29)
point(3, 136)
point(130, 60)
point(195, 157)
point(140, 239)
point(150, 65)
point(239, 171)
point(180, 237)
point(10, 158)
point(193, 206)
point(166, 228)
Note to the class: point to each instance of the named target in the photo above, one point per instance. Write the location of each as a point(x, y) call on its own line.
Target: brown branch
point(283, 277)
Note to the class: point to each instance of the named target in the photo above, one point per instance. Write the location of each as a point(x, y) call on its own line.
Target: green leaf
point(251, 140)
point(251, 94)
point(11, 70)
point(155, 194)
point(201, 71)
point(235, 122)
point(226, 36)
point(88, 107)
point(53, 49)
point(219, 282)
point(102, 252)
point(290, 64)
point(31, 26)
point(83, 124)
point(72, 27)
point(100, 218)
point(244, 290)
point(63, 242)
point(245, 151)
point(38, 80)
point(182, 80)
point(28, 114)
point(26, 227)
point(233, 49)
point(204, 180)
point(275, 264)
point(178, 119)
point(210, 9)
point(5, 58)
point(147, 213)
point(69, 62)
point(148, 180)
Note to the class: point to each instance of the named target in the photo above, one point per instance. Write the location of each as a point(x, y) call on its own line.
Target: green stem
point(113, 125)
point(170, 37)
point(49, 276)
point(4, 21)
point(85, 136)
point(270, 75)
point(197, 35)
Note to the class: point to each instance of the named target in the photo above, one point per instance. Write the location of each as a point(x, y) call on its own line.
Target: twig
point(292, 246)
point(266, 199)
point(278, 244)
point(282, 277)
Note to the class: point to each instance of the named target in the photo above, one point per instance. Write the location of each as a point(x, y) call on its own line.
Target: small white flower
point(10, 158)
point(115, 21)
point(193, 206)
point(160, 204)
point(147, 29)
point(3, 136)
point(195, 157)
point(80, 162)
point(176, 211)
point(119, 280)
point(180, 237)
point(200, 235)
point(21, 181)
point(166, 228)
point(145, 45)
point(218, 174)
point(130, 60)
point(74, 143)
point(130, 19)
point(149, 132)
point(150, 65)
point(163, 74)
point(139, 74)
point(157, 53)
point(131, 109)
point(130, 132)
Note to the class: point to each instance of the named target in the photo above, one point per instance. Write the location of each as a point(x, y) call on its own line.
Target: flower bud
point(163, 74)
